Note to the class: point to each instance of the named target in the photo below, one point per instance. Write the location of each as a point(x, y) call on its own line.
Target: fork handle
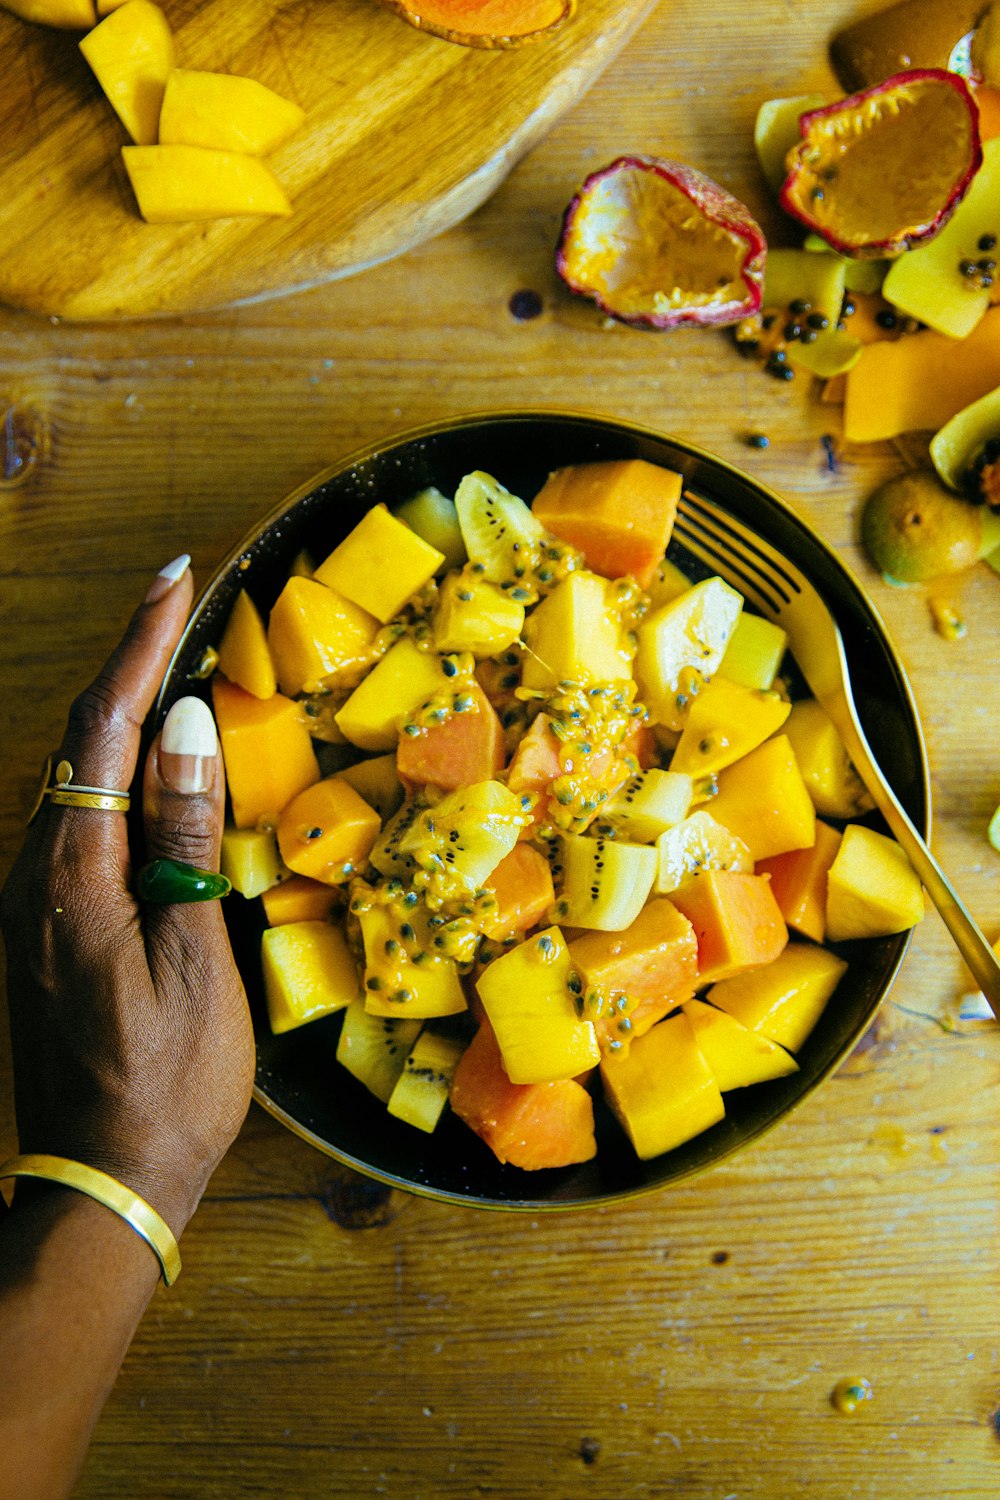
point(973, 946)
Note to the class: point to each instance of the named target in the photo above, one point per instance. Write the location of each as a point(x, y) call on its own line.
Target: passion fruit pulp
point(657, 244)
point(883, 170)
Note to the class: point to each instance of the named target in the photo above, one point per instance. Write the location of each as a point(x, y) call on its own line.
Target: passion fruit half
point(883, 170)
point(657, 244)
point(485, 23)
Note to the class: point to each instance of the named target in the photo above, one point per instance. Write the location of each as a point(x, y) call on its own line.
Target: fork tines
point(731, 550)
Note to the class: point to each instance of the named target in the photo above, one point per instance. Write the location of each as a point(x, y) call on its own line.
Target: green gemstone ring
point(168, 882)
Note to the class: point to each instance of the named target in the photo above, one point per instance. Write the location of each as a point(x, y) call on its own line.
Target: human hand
point(132, 1043)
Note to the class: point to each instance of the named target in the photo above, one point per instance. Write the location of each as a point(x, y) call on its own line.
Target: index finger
point(103, 730)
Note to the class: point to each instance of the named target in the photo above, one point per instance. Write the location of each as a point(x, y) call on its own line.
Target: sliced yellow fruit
point(179, 184)
point(225, 112)
point(662, 1089)
point(309, 972)
point(872, 889)
point(68, 15)
point(244, 656)
point(736, 1055)
point(132, 53)
point(527, 995)
point(784, 999)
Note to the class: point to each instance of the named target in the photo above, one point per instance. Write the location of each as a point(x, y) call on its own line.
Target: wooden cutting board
point(404, 136)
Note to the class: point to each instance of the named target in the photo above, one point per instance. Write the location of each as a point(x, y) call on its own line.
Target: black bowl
point(298, 1079)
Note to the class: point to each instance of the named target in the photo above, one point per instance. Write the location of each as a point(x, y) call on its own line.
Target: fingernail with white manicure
point(167, 577)
point(189, 747)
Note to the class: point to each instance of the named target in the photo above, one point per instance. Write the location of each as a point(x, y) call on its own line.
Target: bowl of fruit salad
point(552, 884)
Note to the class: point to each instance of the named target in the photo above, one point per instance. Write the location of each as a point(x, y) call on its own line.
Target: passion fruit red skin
point(718, 206)
point(883, 249)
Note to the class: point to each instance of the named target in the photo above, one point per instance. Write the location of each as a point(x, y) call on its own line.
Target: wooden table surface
point(685, 1344)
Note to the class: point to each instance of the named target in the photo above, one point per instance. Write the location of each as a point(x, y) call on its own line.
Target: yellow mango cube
point(225, 112)
point(315, 635)
point(686, 638)
point(249, 860)
point(475, 615)
point(527, 996)
point(764, 801)
point(737, 1056)
point(298, 899)
point(377, 780)
point(573, 635)
point(784, 999)
point(327, 831)
point(244, 656)
point(132, 54)
point(183, 184)
point(834, 785)
point(397, 983)
point(309, 971)
point(380, 564)
point(395, 686)
point(725, 722)
point(68, 15)
point(872, 889)
point(267, 752)
point(755, 651)
point(661, 1089)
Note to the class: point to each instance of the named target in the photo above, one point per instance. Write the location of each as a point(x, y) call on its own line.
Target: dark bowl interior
point(298, 1079)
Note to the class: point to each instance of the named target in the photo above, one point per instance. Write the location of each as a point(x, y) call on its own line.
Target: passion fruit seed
point(850, 1394)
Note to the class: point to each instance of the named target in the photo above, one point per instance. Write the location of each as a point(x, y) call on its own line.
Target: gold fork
point(776, 587)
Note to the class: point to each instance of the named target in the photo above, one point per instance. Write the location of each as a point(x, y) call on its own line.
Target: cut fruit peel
point(884, 169)
point(657, 244)
point(486, 23)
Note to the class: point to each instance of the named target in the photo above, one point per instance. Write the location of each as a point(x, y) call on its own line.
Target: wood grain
point(404, 135)
point(682, 1345)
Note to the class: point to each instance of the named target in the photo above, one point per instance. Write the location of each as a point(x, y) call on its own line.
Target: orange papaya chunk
point(298, 899)
point(522, 885)
point(530, 1125)
point(619, 514)
point(536, 760)
point(736, 920)
point(798, 880)
point(763, 799)
point(465, 748)
point(327, 831)
point(267, 752)
point(988, 104)
point(633, 978)
point(918, 383)
point(884, 169)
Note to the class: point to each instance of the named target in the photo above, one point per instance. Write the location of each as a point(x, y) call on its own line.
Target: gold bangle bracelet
point(114, 1195)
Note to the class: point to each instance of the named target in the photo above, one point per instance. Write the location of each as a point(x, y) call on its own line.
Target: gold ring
point(64, 792)
point(78, 796)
